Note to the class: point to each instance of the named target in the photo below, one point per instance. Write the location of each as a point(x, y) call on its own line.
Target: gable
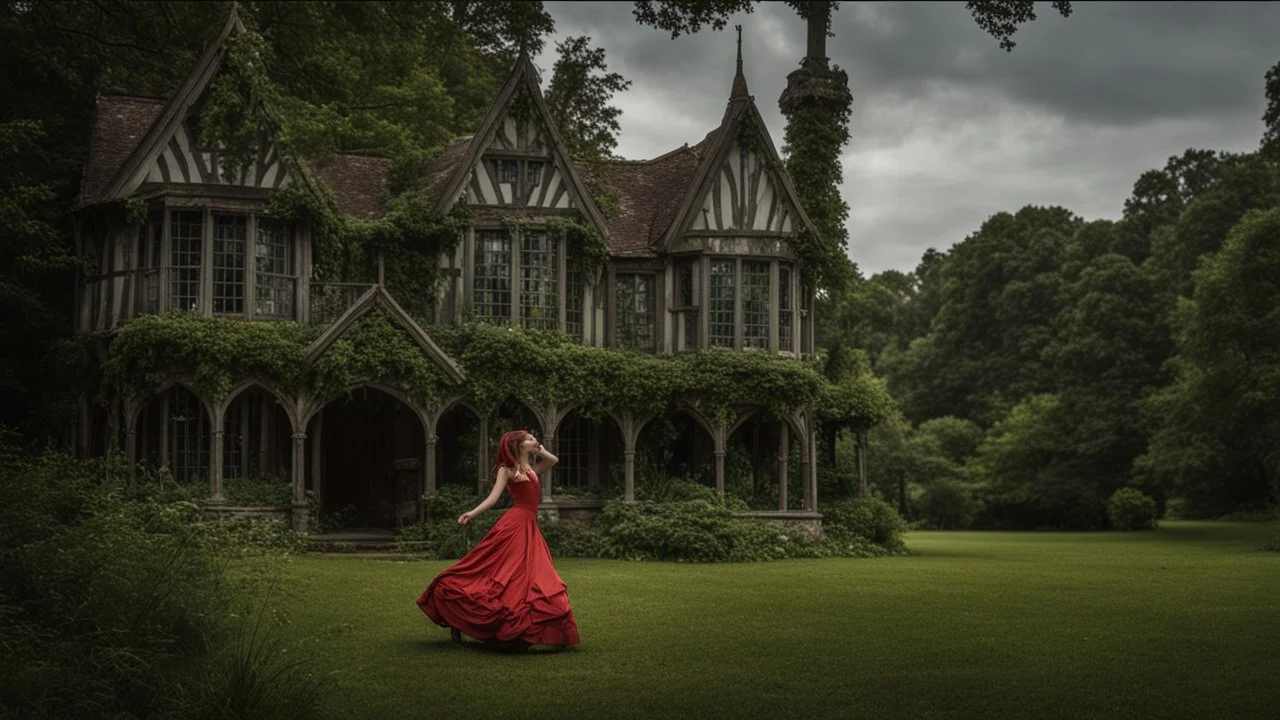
point(181, 161)
point(516, 160)
point(166, 154)
point(745, 194)
point(518, 167)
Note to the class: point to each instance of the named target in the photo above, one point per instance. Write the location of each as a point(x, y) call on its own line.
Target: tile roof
point(357, 182)
point(119, 123)
point(650, 193)
point(442, 168)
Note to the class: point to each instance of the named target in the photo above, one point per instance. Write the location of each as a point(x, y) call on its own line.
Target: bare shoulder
point(511, 475)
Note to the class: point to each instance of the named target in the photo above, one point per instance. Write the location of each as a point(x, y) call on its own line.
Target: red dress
point(506, 588)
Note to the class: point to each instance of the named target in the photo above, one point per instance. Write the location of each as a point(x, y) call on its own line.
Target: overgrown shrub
point(947, 505)
point(570, 538)
point(440, 532)
point(1274, 543)
point(1131, 509)
point(119, 607)
point(866, 517)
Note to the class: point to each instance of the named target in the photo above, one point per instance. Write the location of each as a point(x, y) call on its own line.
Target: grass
point(1179, 623)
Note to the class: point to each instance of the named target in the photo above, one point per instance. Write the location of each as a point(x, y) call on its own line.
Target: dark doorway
point(372, 454)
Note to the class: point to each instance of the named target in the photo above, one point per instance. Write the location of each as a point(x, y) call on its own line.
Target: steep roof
point(119, 123)
point(357, 182)
point(649, 192)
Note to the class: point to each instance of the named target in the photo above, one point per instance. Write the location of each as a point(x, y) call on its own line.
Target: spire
point(739, 81)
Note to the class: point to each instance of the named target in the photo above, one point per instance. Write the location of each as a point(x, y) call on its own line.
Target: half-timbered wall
point(182, 162)
point(518, 169)
point(745, 195)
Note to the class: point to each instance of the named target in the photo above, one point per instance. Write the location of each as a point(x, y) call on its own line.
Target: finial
point(739, 81)
point(739, 29)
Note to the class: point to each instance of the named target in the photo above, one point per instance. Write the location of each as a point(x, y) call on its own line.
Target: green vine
point(136, 210)
point(817, 104)
point(537, 367)
point(234, 117)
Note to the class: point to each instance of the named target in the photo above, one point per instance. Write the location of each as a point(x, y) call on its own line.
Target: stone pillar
point(299, 481)
point(215, 464)
point(784, 447)
point(629, 475)
point(720, 438)
point(806, 465)
point(131, 437)
point(430, 465)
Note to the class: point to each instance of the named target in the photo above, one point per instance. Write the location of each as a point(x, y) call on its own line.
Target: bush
point(947, 505)
point(569, 538)
point(866, 517)
point(120, 607)
point(1131, 509)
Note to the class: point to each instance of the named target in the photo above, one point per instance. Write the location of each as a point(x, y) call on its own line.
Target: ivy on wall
point(538, 367)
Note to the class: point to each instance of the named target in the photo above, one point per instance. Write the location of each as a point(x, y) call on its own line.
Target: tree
point(999, 18)
point(579, 98)
point(1218, 420)
point(1271, 136)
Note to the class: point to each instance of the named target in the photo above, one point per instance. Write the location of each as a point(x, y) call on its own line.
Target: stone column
point(784, 447)
point(215, 464)
point(719, 437)
point(806, 464)
point(131, 437)
point(430, 464)
point(813, 470)
point(299, 481)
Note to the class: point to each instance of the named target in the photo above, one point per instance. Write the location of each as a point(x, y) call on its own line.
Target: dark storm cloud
point(1107, 63)
point(947, 128)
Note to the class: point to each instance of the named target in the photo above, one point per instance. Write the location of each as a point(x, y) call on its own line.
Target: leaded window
point(722, 303)
point(186, 237)
point(634, 312)
point(533, 175)
point(539, 280)
point(785, 340)
point(573, 314)
point(493, 276)
point(684, 285)
point(755, 304)
point(230, 233)
point(508, 171)
point(273, 261)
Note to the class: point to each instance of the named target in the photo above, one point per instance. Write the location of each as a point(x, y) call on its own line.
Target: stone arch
point(585, 447)
point(175, 425)
point(458, 439)
point(286, 402)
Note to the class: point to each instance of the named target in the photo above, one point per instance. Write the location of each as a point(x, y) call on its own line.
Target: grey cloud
point(948, 129)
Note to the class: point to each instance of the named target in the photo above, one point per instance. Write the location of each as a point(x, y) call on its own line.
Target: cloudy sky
point(947, 128)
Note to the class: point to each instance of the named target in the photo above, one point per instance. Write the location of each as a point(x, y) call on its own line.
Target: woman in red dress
point(506, 590)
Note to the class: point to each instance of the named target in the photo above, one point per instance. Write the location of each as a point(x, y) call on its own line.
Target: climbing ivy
point(537, 367)
point(234, 117)
point(817, 104)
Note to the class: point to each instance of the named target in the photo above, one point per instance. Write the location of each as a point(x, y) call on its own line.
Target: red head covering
point(509, 449)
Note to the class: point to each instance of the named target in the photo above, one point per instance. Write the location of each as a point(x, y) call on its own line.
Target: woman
point(506, 590)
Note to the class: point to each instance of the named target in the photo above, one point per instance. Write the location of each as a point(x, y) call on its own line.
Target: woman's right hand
point(465, 517)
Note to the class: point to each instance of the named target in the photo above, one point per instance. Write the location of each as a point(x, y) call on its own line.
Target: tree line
point(1046, 361)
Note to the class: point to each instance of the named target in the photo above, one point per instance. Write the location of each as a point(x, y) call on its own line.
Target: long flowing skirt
point(505, 589)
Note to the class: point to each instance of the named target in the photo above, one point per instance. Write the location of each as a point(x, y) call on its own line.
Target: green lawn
point(1180, 623)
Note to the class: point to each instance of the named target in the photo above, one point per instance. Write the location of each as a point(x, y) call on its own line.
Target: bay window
point(634, 312)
